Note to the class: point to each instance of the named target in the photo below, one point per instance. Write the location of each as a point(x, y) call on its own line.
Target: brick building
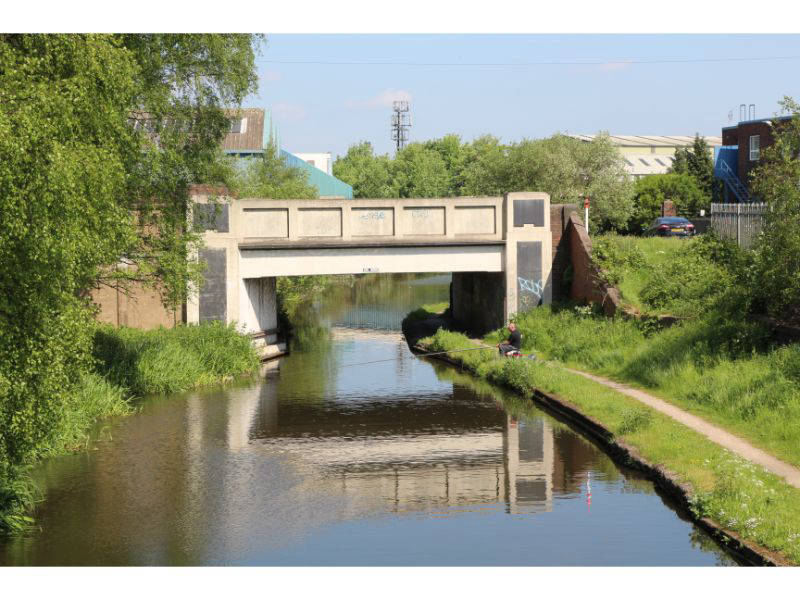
point(742, 146)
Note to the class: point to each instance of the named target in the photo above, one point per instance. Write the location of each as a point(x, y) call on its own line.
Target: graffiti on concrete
point(373, 215)
point(530, 292)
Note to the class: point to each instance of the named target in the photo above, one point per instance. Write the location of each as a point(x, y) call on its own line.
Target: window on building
point(238, 125)
point(755, 147)
point(644, 162)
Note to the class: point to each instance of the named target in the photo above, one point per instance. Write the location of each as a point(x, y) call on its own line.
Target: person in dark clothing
point(514, 341)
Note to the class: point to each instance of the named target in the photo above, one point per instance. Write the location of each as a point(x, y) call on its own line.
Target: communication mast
point(400, 122)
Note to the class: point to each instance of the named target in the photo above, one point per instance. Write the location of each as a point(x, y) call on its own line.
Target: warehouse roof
point(652, 140)
point(647, 164)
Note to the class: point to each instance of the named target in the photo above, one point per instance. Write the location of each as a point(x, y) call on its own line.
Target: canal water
point(329, 462)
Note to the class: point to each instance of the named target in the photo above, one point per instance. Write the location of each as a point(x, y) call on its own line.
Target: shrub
point(616, 256)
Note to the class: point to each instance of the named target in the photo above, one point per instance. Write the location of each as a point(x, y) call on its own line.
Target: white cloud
point(293, 112)
point(382, 100)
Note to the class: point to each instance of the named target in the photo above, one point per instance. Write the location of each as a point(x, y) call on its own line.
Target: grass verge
point(426, 311)
point(741, 497)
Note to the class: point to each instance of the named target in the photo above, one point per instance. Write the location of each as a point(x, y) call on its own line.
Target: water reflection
point(331, 461)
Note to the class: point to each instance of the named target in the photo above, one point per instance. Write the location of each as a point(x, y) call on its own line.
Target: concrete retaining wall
point(141, 308)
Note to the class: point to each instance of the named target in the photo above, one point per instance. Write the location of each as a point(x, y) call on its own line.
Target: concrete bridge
point(499, 250)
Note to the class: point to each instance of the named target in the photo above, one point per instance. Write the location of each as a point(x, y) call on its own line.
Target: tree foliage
point(650, 193)
point(564, 167)
point(697, 162)
point(776, 181)
point(268, 176)
point(368, 174)
point(100, 137)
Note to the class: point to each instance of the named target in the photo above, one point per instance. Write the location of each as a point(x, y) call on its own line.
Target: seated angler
point(514, 342)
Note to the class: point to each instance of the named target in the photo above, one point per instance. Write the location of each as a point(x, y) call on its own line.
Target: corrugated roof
point(652, 140)
point(647, 164)
point(253, 136)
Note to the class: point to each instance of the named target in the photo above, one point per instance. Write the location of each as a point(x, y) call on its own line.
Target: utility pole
point(400, 122)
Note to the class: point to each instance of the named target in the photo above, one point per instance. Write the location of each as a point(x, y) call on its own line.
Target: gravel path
point(725, 439)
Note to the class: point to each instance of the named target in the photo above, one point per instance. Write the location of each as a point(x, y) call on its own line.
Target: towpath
point(725, 439)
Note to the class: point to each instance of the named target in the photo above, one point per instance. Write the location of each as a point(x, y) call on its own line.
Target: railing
point(734, 183)
point(741, 222)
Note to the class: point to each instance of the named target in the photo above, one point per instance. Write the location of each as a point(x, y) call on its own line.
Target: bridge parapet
point(331, 221)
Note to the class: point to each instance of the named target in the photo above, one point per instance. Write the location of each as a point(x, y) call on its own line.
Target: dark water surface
point(402, 462)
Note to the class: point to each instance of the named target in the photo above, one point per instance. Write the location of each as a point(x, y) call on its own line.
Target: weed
point(635, 419)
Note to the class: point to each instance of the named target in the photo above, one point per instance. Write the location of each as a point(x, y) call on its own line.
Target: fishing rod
point(420, 355)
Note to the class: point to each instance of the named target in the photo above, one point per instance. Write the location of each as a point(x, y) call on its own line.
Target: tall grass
point(170, 360)
point(129, 363)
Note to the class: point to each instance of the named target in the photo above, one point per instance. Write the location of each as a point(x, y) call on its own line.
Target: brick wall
point(745, 130)
point(586, 284)
point(740, 136)
point(559, 218)
point(668, 209)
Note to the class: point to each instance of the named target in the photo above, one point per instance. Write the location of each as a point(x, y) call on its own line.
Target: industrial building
point(252, 130)
point(739, 154)
point(649, 154)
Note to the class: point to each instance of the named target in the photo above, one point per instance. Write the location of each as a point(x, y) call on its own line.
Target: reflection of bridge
point(498, 249)
point(414, 466)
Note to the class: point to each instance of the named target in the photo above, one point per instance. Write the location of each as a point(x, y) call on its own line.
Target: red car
point(669, 226)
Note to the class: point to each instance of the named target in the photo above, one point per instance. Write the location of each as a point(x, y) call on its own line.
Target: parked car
point(669, 226)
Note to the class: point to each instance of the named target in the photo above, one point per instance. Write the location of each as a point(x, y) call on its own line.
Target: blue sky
point(328, 107)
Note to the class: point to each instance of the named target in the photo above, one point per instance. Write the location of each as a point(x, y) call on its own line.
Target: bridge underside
point(417, 258)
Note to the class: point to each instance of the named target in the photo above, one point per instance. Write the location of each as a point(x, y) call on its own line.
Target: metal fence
point(741, 222)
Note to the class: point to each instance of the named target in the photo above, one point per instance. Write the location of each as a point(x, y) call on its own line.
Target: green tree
point(651, 191)
point(370, 175)
point(775, 181)
point(569, 169)
point(698, 163)
point(268, 176)
point(680, 162)
point(483, 168)
point(100, 137)
point(452, 152)
point(419, 172)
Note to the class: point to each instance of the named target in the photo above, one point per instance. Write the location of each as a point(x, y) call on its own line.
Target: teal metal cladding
point(327, 185)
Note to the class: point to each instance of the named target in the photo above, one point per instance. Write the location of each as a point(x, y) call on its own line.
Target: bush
point(694, 280)
point(650, 192)
point(616, 256)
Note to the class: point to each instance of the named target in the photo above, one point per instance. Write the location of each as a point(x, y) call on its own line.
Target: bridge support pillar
point(528, 251)
point(477, 301)
point(258, 308)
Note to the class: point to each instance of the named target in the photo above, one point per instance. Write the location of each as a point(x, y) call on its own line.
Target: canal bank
point(324, 462)
point(699, 475)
